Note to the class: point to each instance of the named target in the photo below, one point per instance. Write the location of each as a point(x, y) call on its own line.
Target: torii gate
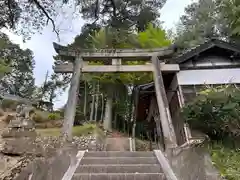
point(77, 63)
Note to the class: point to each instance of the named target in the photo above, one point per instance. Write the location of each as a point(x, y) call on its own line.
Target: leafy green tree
point(153, 37)
point(30, 16)
point(53, 86)
point(20, 79)
point(230, 13)
point(4, 64)
point(83, 40)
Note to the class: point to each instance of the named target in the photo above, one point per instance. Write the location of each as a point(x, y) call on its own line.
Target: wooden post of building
point(187, 130)
point(70, 109)
point(165, 117)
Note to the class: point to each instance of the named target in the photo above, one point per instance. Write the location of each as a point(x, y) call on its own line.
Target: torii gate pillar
point(163, 107)
point(70, 108)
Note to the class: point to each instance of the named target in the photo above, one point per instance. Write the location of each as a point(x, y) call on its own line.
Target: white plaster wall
point(209, 76)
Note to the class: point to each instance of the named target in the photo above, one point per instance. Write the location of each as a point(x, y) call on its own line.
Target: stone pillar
point(165, 117)
point(70, 109)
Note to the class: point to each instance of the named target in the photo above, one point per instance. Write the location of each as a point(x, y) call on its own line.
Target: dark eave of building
point(195, 51)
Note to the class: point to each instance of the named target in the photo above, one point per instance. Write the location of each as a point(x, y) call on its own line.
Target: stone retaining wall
point(49, 168)
point(193, 163)
point(51, 157)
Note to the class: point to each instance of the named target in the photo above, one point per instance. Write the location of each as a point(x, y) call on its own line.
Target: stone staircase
point(113, 165)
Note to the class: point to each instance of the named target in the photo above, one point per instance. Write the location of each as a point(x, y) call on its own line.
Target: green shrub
point(54, 116)
point(84, 130)
point(59, 112)
point(215, 112)
point(9, 104)
point(40, 117)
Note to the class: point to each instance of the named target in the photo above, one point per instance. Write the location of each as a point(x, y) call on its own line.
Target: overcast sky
point(41, 44)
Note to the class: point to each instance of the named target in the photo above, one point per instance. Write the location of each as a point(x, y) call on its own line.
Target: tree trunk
point(134, 101)
point(93, 101)
point(50, 108)
point(85, 100)
point(115, 119)
point(96, 108)
point(108, 114)
point(102, 111)
point(96, 104)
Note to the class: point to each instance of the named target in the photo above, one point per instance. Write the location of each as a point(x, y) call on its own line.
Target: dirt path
point(117, 144)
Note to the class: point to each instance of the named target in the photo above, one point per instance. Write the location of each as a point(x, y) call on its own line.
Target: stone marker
point(21, 125)
point(20, 133)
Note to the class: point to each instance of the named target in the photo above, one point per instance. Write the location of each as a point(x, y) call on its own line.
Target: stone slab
point(119, 176)
point(120, 168)
point(119, 160)
point(119, 154)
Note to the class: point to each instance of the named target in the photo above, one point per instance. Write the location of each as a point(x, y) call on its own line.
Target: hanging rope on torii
point(77, 62)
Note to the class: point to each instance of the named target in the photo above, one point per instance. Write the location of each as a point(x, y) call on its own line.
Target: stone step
point(119, 154)
point(120, 168)
point(119, 176)
point(119, 160)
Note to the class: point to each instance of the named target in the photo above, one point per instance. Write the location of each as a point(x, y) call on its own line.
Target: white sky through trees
point(41, 44)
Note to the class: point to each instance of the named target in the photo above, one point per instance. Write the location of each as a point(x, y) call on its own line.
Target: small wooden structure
point(77, 62)
point(16, 98)
point(214, 62)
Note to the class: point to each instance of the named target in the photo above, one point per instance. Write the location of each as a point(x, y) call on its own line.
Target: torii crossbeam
point(77, 62)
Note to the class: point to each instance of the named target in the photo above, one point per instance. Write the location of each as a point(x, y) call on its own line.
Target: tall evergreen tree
point(200, 22)
point(122, 14)
point(207, 19)
point(230, 13)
